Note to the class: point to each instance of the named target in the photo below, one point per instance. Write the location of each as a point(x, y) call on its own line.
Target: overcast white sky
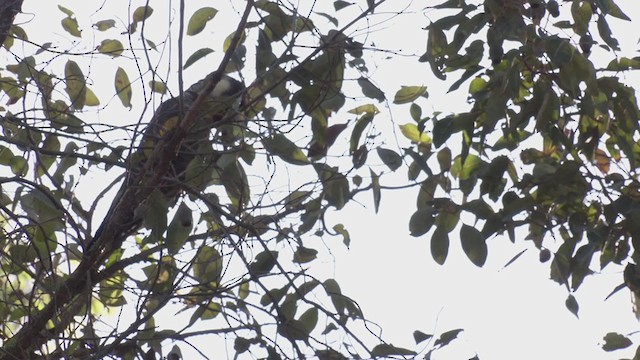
point(515, 313)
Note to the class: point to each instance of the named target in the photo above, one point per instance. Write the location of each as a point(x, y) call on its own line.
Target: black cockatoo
point(222, 104)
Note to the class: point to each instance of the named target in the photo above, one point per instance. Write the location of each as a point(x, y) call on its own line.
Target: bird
point(222, 103)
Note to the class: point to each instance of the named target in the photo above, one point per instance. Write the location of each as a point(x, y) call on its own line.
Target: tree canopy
point(543, 153)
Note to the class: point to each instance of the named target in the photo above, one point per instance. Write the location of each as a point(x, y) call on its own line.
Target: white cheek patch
point(223, 87)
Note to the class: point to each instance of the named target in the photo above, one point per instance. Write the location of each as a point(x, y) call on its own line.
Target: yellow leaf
point(411, 132)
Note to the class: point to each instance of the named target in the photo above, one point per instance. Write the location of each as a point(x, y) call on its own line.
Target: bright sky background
point(512, 313)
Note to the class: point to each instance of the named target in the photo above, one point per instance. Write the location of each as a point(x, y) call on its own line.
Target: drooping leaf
point(440, 245)
point(304, 255)
point(76, 85)
point(123, 87)
point(179, 229)
point(370, 90)
point(375, 188)
point(572, 304)
point(473, 244)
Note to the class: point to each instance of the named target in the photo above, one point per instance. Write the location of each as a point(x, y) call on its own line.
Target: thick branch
point(8, 11)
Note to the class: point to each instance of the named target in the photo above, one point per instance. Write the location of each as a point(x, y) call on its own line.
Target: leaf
point(335, 185)
point(91, 98)
point(464, 170)
point(572, 304)
point(339, 4)
point(411, 132)
point(67, 12)
point(76, 85)
point(104, 25)
point(384, 350)
point(309, 320)
point(440, 245)
point(158, 86)
point(154, 213)
point(390, 158)
point(421, 221)
point(447, 337)
point(419, 336)
point(444, 159)
point(279, 145)
point(70, 25)
point(111, 47)
point(346, 238)
point(179, 229)
point(304, 255)
point(208, 265)
point(199, 20)
point(197, 55)
point(263, 263)
point(614, 341)
point(407, 94)
point(473, 244)
point(142, 13)
point(370, 90)
point(123, 87)
point(361, 124)
point(375, 188)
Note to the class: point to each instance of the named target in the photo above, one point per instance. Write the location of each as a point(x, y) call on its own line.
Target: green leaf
point(370, 90)
point(91, 98)
point(70, 25)
point(158, 86)
point(197, 55)
point(67, 12)
point(346, 238)
point(419, 336)
point(421, 221)
point(339, 4)
point(572, 304)
point(411, 132)
point(375, 188)
point(361, 124)
point(390, 158)
point(279, 145)
point(142, 13)
point(76, 85)
point(440, 245)
point(447, 337)
point(263, 263)
point(104, 25)
point(304, 255)
point(155, 212)
point(384, 350)
point(179, 229)
point(111, 47)
point(199, 20)
point(614, 341)
point(473, 244)
point(334, 184)
point(309, 320)
point(123, 87)
point(464, 170)
point(407, 94)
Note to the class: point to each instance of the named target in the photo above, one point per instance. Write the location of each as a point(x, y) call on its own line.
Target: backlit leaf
point(473, 244)
point(407, 94)
point(199, 20)
point(123, 87)
point(197, 55)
